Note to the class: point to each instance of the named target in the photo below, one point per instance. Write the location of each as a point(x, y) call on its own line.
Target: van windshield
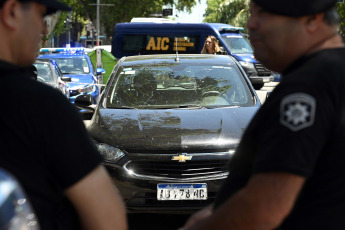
point(237, 44)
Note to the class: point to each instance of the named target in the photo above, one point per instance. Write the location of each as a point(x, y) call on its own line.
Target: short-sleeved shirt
point(44, 144)
point(300, 129)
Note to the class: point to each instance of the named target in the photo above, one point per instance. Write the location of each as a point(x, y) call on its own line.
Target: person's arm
point(97, 201)
point(262, 205)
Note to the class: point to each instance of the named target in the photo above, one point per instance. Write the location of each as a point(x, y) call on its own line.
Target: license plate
point(182, 191)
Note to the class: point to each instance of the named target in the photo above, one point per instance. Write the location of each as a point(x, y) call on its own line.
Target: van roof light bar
point(63, 50)
point(231, 29)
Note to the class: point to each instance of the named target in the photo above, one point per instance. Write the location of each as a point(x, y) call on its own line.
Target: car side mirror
point(100, 71)
point(66, 79)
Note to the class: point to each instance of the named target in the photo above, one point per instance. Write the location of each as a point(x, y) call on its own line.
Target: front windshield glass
point(238, 45)
point(75, 65)
point(178, 86)
point(44, 73)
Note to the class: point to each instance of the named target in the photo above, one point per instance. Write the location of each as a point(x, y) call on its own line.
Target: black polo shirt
point(44, 144)
point(300, 129)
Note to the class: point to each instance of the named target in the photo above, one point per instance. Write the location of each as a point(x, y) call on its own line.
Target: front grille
point(189, 169)
point(262, 71)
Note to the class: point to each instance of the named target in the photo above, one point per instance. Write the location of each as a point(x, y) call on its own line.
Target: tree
point(120, 11)
point(341, 11)
point(233, 12)
point(236, 13)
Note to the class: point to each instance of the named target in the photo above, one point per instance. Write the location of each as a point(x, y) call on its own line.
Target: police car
point(49, 73)
point(76, 64)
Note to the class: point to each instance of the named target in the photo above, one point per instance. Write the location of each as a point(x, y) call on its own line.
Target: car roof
point(42, 62)
point(183, 58)
point(61, 55)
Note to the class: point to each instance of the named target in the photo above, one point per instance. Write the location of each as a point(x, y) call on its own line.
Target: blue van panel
point(202, 30)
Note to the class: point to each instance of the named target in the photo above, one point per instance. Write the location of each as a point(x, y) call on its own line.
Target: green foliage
point(118, 11)
point(341, 11)
point(233, 12)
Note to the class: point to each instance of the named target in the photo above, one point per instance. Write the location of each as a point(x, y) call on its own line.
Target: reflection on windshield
point(75, 65)
point(178, 86)
point(237, 44)
point(44, 73)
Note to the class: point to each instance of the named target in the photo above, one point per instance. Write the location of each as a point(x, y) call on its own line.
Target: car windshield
point(178, 86)
point(237, 44)
point(44, 73)
point(75, 65)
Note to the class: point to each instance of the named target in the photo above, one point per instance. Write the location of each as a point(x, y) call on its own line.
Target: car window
point(76, 65)
point(178, 85)
point(238, 44)
point(44, 73)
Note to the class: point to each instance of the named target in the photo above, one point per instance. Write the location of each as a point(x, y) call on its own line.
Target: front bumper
point(139, 188)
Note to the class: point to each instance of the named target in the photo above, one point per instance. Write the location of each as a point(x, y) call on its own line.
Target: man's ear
point(10, 11)
point(313, 22)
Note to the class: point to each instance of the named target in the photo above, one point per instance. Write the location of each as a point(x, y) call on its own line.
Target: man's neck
point(330, 42)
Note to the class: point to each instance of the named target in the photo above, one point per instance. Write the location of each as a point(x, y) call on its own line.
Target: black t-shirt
point(44, 144)
point(300, 129)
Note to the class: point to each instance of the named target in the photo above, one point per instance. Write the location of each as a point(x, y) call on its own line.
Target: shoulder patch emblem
point(297, 111)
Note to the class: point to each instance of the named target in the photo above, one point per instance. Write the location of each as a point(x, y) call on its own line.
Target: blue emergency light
point(63, 50)
point(230, 29)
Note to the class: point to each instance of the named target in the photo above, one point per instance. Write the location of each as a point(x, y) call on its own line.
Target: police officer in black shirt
point(288, 172)
point(44, 143)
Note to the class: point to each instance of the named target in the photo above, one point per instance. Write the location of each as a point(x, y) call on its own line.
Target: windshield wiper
point(122, 107)
point(191, 106)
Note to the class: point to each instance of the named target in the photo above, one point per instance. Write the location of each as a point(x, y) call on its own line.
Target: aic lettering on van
point(155, 44)
point(163, 43)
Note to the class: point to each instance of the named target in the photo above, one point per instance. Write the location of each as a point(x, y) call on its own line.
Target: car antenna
point(177, 59)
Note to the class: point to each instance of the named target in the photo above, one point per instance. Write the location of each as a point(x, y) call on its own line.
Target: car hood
point(245, 57)
point(77, 80)
point(171, 129)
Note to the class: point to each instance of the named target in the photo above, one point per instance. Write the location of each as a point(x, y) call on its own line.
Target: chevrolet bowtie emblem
point(181, 157)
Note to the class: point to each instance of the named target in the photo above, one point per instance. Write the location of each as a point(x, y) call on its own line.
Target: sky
point(196, 15)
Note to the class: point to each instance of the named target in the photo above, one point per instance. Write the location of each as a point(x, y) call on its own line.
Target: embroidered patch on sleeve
point(297, 111)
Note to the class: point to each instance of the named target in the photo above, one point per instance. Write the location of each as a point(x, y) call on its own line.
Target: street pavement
point(268, 87)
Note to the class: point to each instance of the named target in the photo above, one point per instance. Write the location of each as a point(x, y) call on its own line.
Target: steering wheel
point(210, 93)
point(40, 79)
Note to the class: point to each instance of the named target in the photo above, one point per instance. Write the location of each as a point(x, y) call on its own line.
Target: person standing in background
point(210, 46)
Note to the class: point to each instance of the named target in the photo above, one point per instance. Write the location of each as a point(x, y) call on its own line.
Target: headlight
point(87, 89)
point(246, 64)
point(110, 153)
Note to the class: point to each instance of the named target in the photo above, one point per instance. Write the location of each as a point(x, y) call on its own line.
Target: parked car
point(16, 212)
point(167, 126)
point(74, 63)
point(49, 73)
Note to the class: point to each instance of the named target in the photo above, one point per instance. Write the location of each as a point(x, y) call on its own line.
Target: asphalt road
point(268, 87)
